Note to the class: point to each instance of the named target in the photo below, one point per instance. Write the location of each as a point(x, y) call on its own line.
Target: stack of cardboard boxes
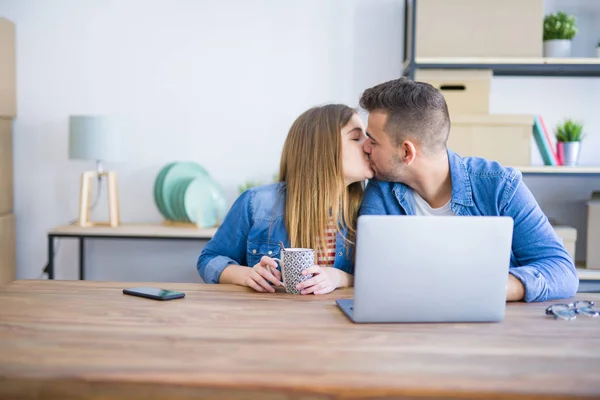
point(593, 232)
point(476, 31)
point(7, 114)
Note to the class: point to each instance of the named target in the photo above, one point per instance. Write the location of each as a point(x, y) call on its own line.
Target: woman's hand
point(261, 274)
point(324, 280)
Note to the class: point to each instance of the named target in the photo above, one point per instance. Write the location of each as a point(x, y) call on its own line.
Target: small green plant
point(247, 185)
point(559, 26)
point(569, 131)
point(250, 184)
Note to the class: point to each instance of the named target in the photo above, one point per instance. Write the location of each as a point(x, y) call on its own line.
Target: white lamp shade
point(94, 138)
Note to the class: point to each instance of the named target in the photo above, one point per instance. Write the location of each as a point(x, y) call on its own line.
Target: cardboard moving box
point(465, 91)
point(8, 74)
point(8, 258)
point(7, 113)
point(503, 138)
point(479, 28)
point(6, 167)
point(593, 232)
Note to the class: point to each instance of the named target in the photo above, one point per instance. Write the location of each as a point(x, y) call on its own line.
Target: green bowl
point(173, 176)
point(205, 203)
point(158, 189)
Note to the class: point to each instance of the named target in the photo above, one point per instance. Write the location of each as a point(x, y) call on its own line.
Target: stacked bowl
point(185, 192)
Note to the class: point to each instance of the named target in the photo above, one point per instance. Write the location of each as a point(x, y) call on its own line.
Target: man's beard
point(394, 174)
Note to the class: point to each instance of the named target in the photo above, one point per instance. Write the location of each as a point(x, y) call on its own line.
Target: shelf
point(559, 67)
point(589, 280)
point(588, 274)
point(548, 170)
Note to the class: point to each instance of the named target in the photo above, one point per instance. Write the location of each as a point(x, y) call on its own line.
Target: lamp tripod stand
point(85, 197)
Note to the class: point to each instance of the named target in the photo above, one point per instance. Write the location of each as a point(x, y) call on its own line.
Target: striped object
point(327, 258)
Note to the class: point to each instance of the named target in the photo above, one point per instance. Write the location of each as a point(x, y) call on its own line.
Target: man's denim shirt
point(482, 187)
point(253, 228)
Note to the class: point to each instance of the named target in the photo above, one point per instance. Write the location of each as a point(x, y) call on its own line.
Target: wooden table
point(124, 231)
point(86, 340)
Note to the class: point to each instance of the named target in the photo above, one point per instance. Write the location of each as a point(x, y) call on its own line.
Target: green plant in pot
point(252, 183)
point(569, 135)
point(559, 30)
point(248, 185)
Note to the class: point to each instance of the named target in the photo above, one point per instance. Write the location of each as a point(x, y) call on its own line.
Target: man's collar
point(462, 192)
point(461, 183)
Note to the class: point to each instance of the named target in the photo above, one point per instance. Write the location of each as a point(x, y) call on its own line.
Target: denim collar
point(462, 192)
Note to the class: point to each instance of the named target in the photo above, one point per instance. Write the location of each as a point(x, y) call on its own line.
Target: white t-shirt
point(423, 208)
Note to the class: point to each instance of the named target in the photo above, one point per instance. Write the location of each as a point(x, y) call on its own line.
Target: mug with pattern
point(293, 261)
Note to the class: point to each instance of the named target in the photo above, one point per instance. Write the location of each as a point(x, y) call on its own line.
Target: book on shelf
point(544, 143)
point(552, 144)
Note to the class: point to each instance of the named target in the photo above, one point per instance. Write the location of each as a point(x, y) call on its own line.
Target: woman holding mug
point(315, 205)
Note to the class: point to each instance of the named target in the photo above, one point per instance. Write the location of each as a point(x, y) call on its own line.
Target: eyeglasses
point(570, 311)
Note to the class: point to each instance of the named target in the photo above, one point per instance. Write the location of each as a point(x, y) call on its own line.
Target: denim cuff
point(536, 287)
point(215, 267)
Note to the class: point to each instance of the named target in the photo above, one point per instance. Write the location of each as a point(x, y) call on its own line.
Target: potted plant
point(559, 30)
point(568, 139)
point(248, 185)
point(252, 183)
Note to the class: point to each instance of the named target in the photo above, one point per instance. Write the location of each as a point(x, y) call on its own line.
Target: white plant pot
point(559, 48)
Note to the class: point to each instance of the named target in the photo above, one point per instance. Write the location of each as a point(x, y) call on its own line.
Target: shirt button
point(340, 254)
point(254, 251)
point(270, 252)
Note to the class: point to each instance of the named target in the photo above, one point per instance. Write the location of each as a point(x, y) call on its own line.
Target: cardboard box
point(568, 235)
point(479, 28)
point(503, 138)
point(8, 263)
point(8, 74)
point(593, 232)
point(465, 91)
point(6, 167)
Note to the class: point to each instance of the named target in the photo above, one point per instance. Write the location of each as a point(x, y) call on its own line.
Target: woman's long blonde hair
point(311, 167)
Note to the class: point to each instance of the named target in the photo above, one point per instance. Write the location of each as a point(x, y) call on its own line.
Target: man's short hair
point(415, 111)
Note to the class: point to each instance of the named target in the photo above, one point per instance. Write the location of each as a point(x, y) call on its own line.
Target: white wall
point(217, 82)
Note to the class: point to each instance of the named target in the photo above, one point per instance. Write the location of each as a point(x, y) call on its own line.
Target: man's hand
point(515, 290)
point(324, 280)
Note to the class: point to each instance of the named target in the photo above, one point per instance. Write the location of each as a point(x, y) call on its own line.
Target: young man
point(416, 174)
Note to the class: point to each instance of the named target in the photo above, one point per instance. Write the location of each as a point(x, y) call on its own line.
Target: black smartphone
point(154, 293)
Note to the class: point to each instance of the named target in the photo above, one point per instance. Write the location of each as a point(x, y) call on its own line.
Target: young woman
point(315, 205)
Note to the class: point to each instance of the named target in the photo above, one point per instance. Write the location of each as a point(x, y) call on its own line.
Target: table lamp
point(95, 138)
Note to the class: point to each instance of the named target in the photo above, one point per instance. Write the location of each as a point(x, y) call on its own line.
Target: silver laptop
point(430, 269)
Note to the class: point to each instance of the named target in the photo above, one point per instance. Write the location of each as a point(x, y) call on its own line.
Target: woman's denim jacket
point(253, 228)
